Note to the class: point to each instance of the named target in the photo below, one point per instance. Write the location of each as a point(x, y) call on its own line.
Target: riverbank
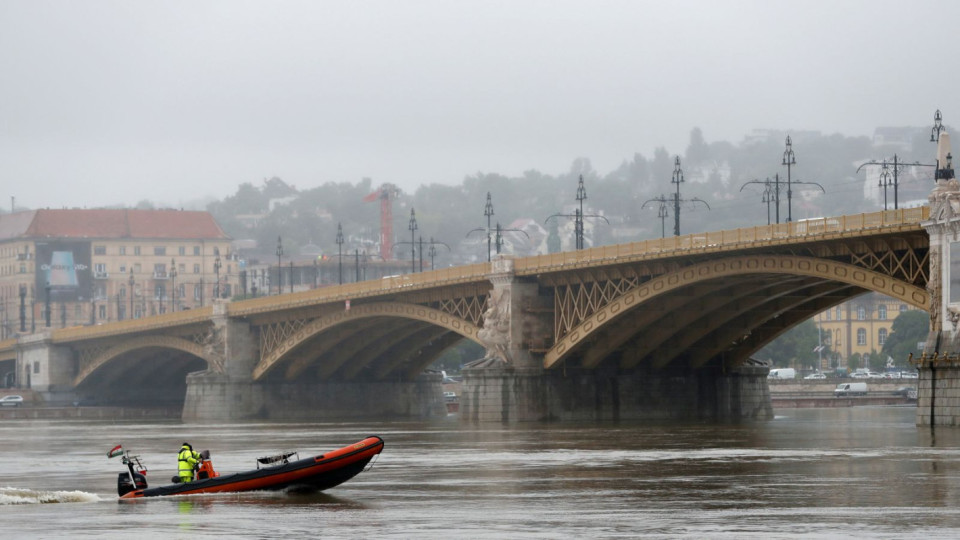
point(89, 413)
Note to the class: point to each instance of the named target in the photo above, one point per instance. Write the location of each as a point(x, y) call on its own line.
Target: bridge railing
point(782, 232)
point(178, 318)
point(360, 289)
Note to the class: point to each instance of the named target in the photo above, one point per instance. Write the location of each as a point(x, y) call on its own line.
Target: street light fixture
point(340, 250)
point(488, 212)
point(279, 266)
point(937, 127)
point(789, 159)
point(173, 278)
point(413, 230)
point(578, 223)
point(216, 270)
point(131, 282)
point(662, 212)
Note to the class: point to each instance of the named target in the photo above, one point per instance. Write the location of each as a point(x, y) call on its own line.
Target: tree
point(795, 346)
point(910, 328)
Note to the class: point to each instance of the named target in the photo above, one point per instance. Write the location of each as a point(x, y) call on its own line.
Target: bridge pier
point(938, 389)
point(46, 368)
point(510, 395)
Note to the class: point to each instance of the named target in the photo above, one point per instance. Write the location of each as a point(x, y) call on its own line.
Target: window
point(103, 312)
point(226, 290)
point(196, 269)
point(861, 336)
point(136, 268)
point(861, 313)
point(160, 291)
point(903, 307)
point(100, 269)
point(882, 312)
point(160, 270)
point(828, 338)
point(839, 313)
point(182, 250)
point(122, 312)
point(123, 269)
point(123, 250)
point(36, 367)
point(182, 290)
point(123, 292)
point(882, 336)
point(99, 250)
point(829, 315)
point(136, 250)
point(159, 250)
point(23, 268)
point(196, 250)
point(197, 292)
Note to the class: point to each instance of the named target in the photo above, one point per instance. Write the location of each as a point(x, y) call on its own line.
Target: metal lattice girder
point(597, 316)
point(741, 321)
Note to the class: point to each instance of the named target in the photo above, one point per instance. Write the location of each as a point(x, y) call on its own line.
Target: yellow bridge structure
point(640, 326)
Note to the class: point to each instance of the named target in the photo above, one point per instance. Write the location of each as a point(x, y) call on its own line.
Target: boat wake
point(11, 496)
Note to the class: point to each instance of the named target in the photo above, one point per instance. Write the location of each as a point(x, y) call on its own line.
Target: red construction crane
point(386, 193)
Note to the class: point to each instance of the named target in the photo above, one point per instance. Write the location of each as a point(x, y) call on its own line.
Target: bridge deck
point(853, 226)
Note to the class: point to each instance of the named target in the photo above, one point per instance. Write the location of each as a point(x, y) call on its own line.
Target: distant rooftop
point(110, 223)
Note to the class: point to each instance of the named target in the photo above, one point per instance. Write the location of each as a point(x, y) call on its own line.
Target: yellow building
point(106, 265)
point(859, 326)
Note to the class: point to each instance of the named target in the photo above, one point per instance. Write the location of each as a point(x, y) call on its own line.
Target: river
point(809, 473)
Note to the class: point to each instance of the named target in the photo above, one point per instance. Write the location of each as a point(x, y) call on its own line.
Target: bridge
point(654, 329)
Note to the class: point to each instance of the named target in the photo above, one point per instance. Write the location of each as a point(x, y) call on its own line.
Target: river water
point(809, 473)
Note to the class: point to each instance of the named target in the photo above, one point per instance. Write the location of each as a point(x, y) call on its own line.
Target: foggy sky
point(107, 102)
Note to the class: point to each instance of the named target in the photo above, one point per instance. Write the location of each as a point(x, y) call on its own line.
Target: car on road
point(816, 376)
point(11, 401)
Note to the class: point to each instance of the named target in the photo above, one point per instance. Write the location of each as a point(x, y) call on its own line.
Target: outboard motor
point(124, 485)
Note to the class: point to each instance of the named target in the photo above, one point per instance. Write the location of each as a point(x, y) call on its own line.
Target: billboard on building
point(65, 267)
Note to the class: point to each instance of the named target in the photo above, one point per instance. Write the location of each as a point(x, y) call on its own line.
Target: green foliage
point(795, 347)
point(854, 362)
point(455, 357)
point(908, 329)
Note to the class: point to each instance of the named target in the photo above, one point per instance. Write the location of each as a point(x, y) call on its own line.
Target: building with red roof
point(109, 264)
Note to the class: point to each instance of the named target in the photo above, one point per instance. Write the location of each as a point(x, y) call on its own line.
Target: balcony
point(157, 274)
point(24, 256)
point(100, 274)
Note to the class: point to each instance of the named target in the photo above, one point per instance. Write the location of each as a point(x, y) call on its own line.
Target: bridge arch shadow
point(375, 341)
point(144, 370)
point(718, 311)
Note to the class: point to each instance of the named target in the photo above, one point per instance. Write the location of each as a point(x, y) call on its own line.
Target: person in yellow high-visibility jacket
point(187, 460)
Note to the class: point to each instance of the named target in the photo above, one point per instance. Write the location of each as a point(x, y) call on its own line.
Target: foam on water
point(11, 496)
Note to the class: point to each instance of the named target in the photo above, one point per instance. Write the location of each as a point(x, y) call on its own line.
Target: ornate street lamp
point(340, 251)
point(173, 278)
point(677, 179)
point(413, 231)
point(216, 270)
point(789, 159)
point(279, 267)
point(130, 281)
point(488, 212)
point(578, 224)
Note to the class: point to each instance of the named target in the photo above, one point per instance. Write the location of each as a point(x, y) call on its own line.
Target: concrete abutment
point(510, 395)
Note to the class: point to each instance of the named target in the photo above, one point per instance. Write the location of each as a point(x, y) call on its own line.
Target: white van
point(850, 389)
point(782, 373)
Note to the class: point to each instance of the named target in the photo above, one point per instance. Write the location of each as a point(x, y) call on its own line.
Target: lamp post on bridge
point(131, 282)
point(662, 212)
point(339, 241)
point(173, 278)
point(488, 212)
point(789, 159)
point(216, 270)
point(47, 319)
point(413, 230)
point(279, 267)
point(890, 174)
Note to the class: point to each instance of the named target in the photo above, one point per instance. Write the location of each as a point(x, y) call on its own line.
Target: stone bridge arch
point(89, 364)
point(270, 359)
point(733, 266)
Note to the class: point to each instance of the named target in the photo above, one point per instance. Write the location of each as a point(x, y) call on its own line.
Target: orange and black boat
point(279, 472)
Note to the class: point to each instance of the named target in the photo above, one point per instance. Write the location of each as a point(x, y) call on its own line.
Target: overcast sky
point(107, 102)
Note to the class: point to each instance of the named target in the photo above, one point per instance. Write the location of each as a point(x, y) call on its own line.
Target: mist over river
point(809, 473)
